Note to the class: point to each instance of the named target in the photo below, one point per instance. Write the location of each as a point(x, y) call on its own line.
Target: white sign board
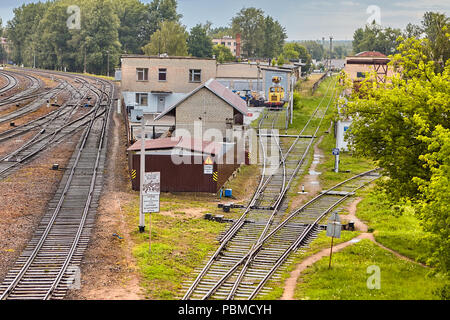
point(151, 191)
point(334, 229)
point(208, 169)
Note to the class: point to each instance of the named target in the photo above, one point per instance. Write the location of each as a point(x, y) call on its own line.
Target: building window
point(229, 44)
point(162, 75)
point(142, 74)
point(195, 75)
point(142, 99)
point(360, 75)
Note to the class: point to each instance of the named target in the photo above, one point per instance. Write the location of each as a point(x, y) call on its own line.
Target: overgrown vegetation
point(403, 125)
point(348, 277)
point(179, 244)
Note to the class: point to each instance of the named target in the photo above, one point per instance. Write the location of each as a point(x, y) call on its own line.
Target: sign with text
point(151, 192)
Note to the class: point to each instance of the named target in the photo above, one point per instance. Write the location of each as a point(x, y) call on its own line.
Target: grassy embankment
point(394, 228)
point(181, 238)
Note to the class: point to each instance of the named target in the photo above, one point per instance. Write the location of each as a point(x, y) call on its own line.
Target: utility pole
point(107, 71)
point(331, 50)
point(142, 175)
point(85, 59)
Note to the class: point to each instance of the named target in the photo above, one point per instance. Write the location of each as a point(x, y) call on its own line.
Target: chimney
point(238, 45)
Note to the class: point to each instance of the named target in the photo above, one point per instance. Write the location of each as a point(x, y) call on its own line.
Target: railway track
point(77, 96)
point(11, 82)
point(30, 92)
point(267, 206)
point(52, 129)
point(45, 269)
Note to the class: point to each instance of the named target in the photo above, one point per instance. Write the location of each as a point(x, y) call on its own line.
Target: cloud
point(425, 5)
point(349, 3)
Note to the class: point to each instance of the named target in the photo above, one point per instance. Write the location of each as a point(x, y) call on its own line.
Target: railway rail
point(11, 82)
point(52, 129)
point(266, 206)
point(46, 268)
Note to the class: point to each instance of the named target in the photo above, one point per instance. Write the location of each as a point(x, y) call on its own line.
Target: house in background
point(211, 105)
point(230, 43)
point(152, 83)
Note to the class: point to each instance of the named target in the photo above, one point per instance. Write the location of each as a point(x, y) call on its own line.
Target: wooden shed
point(186, 165)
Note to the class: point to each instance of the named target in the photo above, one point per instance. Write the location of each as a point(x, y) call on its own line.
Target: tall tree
point(389, 118)
point(436, 27)
point(249, 22)
point(132, 15)
point(199, 43)
point(376, 38)
point(315, 49)
point(274, 37)
point(157, 12)
point(170, 38)
point(22, 30)
point(294, 50)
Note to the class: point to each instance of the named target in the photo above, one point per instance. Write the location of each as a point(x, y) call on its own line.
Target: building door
point(161, 103)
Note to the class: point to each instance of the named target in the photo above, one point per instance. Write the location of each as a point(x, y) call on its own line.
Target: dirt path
point(310, 181)
point(291, 282)
point(109, 270)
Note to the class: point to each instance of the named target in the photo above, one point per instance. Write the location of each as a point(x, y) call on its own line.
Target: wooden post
point(150, 235)
point(331, 252)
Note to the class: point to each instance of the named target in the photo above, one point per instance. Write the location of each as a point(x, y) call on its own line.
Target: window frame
point(193, 73)
point(139, 96)
point(144, 72)
point(160, 72)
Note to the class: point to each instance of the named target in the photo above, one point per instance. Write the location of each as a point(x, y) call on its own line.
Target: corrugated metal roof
point(196, 145)
point(371, 54)
point(219, 90)
point(165, 143)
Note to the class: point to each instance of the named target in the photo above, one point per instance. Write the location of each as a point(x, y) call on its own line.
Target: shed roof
point(219, 90)
point(371, 54)
point(196, 145)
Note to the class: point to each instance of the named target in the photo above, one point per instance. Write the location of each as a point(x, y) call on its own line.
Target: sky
point(303, 19)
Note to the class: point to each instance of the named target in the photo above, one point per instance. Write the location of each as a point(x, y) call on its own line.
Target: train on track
point(276, 95)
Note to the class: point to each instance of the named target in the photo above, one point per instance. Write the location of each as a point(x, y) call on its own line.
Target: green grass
point(318, 244)
point(349, 165)
point(347, 279)
point(397, 229)
point(179, 245)
point(306, 106)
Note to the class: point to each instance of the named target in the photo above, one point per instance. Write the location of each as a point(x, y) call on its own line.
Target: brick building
point(151, 83)
point(211, 106)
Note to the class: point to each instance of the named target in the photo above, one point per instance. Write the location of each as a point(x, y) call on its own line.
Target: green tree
point(404, 126)
point(436, 27)
point(280, 60)
point(170, 38)
point(376, 38)
point(22, 30)
point(132, 15)
point(434, 197)
point(249, 22)
point(315, 49)
point(199, 43)
point(294, 50)
point(157, 12)
point(223, 53)
point(220, 32)
point(389, 118)
point(274, 37)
